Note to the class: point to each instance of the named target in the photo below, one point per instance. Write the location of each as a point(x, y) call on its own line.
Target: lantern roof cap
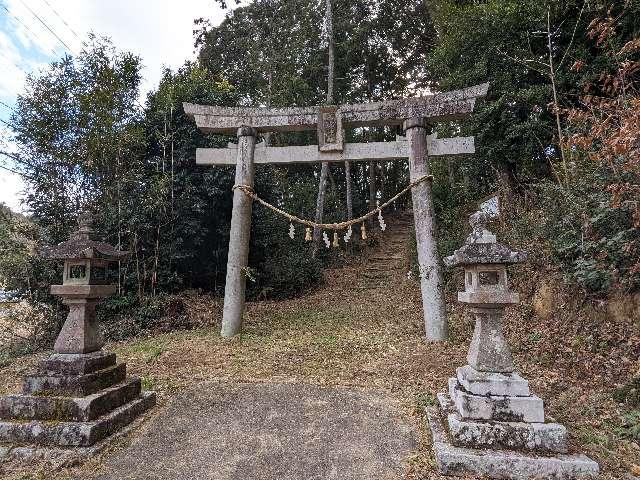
point(81, 244)
point(481, 246)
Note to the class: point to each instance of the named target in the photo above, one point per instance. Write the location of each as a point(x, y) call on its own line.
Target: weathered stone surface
point(230, 431)
point(77, 364)
point(489, 351)
point(387, 151)
point(80, 332)
point(439, 107)
point(61, 457)
point(550, 437)
point(504, 464)
point(239, 235)
point(498, 408)
point(433, 305)
point(71, 434)
point(74, 385)
point(27, 407)
point(488, 383)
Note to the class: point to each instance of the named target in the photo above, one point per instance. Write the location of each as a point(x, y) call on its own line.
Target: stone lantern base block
point(546, 437)
point(504, 464)
point(489, 383)
point(507, 408)
point(73, 401)
point(77, 364)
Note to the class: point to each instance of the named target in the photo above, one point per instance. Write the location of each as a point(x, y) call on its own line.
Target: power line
point(63, 20)
point(8, 106)
point(16, 172)
point(47, 27)
point(8, 124)
point(15, 158)
point(14, 63)
point(33, 35)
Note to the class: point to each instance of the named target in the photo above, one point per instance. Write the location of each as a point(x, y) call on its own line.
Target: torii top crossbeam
point(454, 105)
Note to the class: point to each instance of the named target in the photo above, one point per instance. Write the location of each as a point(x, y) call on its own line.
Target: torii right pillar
point(435, 314)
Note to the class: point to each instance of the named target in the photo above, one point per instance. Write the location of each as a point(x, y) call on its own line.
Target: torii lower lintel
point(352, 152)
point(417, 116)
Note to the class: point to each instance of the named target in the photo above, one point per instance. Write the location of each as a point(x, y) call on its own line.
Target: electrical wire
point(69, 49)
point(63, 20)
point(8, 106)
point(35, 38)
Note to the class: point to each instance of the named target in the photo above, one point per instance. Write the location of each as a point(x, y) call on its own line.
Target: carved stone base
point(503, 464)
point(549, 437)
point(72, 401)
point(502, 408)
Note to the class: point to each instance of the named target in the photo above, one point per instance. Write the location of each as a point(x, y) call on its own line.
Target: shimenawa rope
point(250, 192)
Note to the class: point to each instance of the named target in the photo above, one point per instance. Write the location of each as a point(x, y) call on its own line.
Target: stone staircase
point(389, 260)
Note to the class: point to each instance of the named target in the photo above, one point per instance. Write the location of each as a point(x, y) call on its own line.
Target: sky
point(36, 32)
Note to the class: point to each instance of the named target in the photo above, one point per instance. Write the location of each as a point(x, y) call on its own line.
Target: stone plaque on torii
point(416, 115)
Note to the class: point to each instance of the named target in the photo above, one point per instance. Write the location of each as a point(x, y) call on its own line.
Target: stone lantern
point(489, 423)
point(84, 283)
point(80, 395)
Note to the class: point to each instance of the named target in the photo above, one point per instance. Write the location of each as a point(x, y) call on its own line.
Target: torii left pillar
point(435, 314)
point(239, 239)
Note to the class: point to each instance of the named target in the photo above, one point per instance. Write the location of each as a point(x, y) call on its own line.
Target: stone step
point(75, 434)
point(28, 407)
point(496, 408)
point(74, 385)
point(547, 437)
point(77, 364)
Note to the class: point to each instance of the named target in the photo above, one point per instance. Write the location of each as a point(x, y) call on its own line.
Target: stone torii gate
point(416, 115)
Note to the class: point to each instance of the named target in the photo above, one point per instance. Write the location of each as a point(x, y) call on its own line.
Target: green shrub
point(128, 316)
point(594, 242)
point(629, 394)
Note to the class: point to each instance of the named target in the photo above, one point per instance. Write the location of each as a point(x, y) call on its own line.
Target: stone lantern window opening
point(75, 272)
point(90, 271)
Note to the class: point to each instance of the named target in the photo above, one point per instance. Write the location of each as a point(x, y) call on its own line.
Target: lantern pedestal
point(490, 423)
point(80, 332)
point(69, 406)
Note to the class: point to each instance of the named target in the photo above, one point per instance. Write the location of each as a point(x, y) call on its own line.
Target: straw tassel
point(336, 243)
point(307, 235)
point(363, 230)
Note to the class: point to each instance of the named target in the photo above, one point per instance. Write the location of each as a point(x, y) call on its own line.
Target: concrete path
point(269, 431)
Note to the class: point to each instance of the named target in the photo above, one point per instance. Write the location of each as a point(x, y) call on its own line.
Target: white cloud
point(11, 186)
point(159, 31)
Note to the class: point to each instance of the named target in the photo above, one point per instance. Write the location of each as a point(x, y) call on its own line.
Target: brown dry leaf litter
point(364, 329)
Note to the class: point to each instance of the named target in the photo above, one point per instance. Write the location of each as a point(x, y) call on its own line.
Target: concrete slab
point(504, 464)
point(270, 431)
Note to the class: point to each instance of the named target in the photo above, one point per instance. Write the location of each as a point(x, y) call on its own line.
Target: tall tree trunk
point(347, 175)
point(372, 189)
point(324, 171)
